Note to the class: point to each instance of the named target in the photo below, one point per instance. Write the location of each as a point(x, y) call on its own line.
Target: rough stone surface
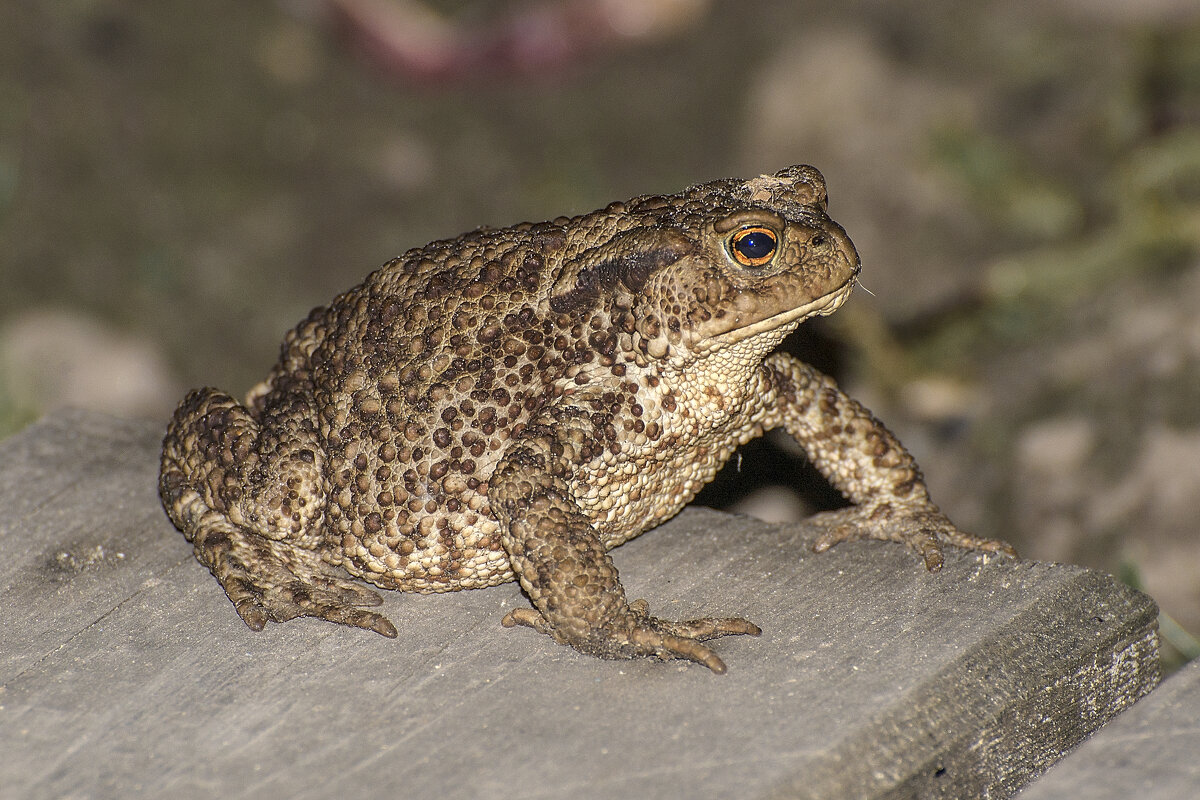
point(125, 672)
point(1149, 753)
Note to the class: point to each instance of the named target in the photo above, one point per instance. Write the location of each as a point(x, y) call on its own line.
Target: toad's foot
point(924, 529)
point(561, 559)
point(636, 634)
point(269, 580)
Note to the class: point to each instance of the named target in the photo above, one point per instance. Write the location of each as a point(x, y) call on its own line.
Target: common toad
point(516, 402)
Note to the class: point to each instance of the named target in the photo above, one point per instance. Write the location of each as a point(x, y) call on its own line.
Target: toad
point(516, 402)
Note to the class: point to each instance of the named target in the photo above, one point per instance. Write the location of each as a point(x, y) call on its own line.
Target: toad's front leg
point(865, 462)
point(562, 563)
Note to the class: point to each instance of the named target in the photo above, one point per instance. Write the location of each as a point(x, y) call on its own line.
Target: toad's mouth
point(822, 306)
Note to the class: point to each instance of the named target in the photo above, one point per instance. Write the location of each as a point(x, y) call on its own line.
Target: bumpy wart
point(515, 402)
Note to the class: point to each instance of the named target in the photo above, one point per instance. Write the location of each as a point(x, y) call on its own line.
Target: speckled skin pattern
point(517, 402)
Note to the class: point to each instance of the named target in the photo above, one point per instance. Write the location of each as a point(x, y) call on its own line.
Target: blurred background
point(180, 182)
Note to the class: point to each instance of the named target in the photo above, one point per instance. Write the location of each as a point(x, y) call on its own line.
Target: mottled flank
point(517, 402)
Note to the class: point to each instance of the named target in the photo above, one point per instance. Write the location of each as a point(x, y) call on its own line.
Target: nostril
point(820, 240)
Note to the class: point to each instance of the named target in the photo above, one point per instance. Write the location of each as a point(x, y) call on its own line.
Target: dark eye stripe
point(753, 247)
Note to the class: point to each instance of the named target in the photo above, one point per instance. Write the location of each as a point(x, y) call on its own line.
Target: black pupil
point(756, 245)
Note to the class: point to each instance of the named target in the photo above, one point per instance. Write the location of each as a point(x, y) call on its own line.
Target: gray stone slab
point(124, 671)
point(1151, 752)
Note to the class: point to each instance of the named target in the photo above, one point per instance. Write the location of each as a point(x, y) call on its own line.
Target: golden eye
point(753, 247)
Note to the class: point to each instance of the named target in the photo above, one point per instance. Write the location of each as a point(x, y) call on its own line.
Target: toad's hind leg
point(250, 503)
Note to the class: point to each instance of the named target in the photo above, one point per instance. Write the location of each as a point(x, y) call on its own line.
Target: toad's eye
point(753, 247)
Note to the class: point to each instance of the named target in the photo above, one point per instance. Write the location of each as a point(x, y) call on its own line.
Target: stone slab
point(1152, 752)
point(124, 671)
